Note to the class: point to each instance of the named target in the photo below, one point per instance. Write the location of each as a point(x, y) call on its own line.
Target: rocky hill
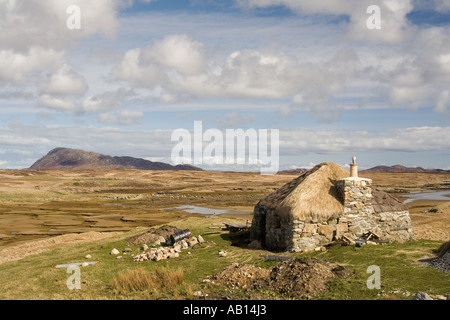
point(381, 169)
point(402, 169)
point(65, 158)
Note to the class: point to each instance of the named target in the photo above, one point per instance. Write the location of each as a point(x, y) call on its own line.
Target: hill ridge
point(71, 159)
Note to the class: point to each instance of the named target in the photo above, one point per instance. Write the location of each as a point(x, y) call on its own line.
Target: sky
point(336, 78)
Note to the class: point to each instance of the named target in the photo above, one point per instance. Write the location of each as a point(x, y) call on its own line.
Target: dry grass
point(140, 280)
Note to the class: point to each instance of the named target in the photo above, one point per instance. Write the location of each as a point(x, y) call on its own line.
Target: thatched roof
point(315, 194)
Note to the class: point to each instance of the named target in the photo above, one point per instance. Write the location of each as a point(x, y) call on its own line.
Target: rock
point(198, 293)
point(155, 243)
point(255, 244)
point(84, 264)
point(144, 247)
point(359, 243)
point(127, 250)
point(115, 251)
point(177, 248)
point(119, 257)
point(325, 230)
point(310, 228)
point(200, 239)
point(422, 296)
point(440, 297)
point(88, 256)
point(222, 253)
point(192, 242)
point(161, 239)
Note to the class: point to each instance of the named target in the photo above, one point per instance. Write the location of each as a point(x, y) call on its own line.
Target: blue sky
point(137, 70)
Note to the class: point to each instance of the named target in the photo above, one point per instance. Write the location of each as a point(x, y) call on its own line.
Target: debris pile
point(241, 276)
point(161, 253)
point(442, 262)
point(305, 279)
point(294, 277)
point(153, 236)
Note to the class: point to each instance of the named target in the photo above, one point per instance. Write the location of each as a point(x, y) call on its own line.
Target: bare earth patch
point(295, 278)
point(39, 246)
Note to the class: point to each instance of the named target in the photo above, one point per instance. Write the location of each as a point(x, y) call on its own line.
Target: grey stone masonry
point(356, 195)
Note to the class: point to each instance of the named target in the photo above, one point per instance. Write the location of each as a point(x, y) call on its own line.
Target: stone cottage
point(327, 204)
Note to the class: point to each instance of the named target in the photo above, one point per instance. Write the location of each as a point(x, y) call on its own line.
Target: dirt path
point(23, 250)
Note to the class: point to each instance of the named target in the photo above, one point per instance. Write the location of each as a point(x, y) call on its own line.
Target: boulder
point(222, 253)
point(115, 251)
point(422, 296)
point(161, 239)
point(192, 242)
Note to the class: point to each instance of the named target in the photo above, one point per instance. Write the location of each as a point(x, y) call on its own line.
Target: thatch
point(383, 202)
point(315, 194)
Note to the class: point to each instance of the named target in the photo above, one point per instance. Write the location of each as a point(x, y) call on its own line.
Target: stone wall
point(384, 227)
point(356, 195)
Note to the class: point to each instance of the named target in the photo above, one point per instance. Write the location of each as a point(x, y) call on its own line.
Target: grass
point(162, 281)
point(35, 278)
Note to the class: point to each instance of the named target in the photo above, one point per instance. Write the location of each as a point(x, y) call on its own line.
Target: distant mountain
point(380, 169)
point(65, 158)
point(402, 169)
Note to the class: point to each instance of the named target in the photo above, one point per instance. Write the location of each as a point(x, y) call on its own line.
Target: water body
point(206, 211)
point(427, 195)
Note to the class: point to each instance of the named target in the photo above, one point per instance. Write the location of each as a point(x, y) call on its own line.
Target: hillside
point(402, 169)
point(381, 169)
point(65, 158)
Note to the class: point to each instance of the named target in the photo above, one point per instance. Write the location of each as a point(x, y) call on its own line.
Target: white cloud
point(442, 5)
point(35, 23)
point(122, 118)
point(66, 82)
point(152, 66)
point(246, 74)
point(107, 101)
point(58, 104)
point(443, 102)
point(16, 67)
point(415, 139)
point(394, 24)
point(179, 52)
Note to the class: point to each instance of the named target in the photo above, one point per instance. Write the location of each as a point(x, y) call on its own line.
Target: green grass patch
point(35, 278)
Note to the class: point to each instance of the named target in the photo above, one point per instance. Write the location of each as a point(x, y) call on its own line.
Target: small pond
point(206, 211)
point(427, 195)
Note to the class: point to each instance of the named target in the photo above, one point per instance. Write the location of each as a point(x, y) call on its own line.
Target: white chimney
point(354, 168)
